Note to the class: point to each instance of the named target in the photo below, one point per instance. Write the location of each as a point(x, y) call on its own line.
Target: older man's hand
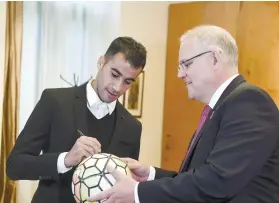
point(139, 171)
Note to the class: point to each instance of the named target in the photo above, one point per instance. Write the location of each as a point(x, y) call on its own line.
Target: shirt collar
point(220, 90)
point(93, 98)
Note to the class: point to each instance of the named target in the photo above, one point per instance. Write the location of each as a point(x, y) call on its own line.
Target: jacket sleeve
point(161, 173)
point(25, 161)
point(247, 136)
point(136, 150)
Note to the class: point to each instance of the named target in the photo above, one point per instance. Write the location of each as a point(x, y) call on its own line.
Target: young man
point(69, 124)
point(234, 154)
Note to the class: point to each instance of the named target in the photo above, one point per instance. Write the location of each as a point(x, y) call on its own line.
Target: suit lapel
point(232, 86)
point(80, 110)
point(119, 127)
point(198, 136)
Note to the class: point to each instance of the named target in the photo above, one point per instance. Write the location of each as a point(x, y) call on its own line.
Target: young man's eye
point(114, 75)
point(128, 82)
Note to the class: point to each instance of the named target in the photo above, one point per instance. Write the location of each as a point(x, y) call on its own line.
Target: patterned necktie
point(205, 115)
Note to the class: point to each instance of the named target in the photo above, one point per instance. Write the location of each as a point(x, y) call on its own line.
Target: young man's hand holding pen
point(84, 147)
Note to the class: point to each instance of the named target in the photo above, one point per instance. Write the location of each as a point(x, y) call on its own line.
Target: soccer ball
point(91, 177)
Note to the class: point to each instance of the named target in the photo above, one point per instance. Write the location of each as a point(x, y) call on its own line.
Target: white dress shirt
point(98, 108)
point(212, 103)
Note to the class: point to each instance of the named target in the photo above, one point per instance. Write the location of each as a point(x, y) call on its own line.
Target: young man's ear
point(101, 62)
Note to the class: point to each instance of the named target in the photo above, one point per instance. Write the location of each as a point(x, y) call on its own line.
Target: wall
point(2, 56)
point(147, 22)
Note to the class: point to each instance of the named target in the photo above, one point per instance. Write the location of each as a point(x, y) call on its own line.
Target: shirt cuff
point(61, 168)
point(136, 196)
point(150, 177)
point(151, 173)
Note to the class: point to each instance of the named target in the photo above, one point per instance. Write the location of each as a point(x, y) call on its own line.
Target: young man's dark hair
point(134, 52)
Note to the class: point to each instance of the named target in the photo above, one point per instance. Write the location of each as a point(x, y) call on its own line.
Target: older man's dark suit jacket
point(236, 158)
point(52, 128)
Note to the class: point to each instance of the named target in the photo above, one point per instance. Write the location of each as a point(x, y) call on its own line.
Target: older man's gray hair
point(211, 35)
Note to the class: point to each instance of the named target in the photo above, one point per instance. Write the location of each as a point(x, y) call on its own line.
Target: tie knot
point(206, 110)
point(99, 109)
point(98, 104)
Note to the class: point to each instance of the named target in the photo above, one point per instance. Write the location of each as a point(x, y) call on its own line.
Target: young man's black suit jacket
point(236, 158)
point(52, 128)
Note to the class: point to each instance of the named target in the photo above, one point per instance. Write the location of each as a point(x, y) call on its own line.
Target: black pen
point(80, 133)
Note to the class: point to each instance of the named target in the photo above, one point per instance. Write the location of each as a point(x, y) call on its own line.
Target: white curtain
point(2, 57)
point(61, 39)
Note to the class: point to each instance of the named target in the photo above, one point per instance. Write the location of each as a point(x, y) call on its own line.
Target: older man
point(234, 154)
